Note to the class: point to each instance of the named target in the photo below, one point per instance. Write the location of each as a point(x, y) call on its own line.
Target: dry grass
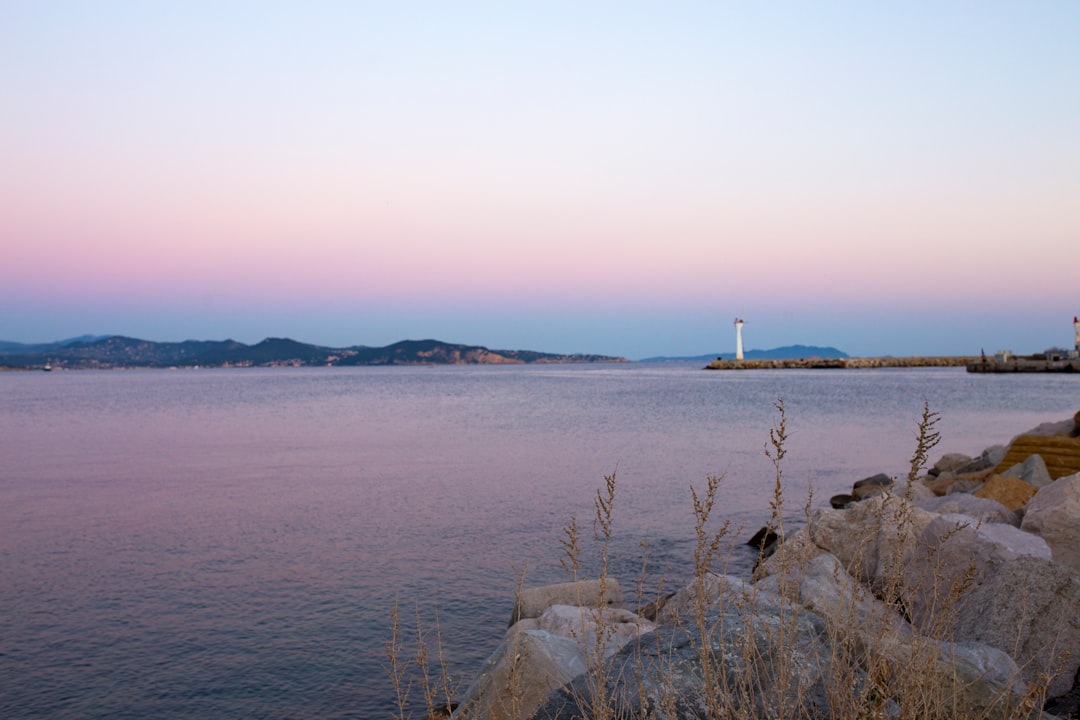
point(877, 666)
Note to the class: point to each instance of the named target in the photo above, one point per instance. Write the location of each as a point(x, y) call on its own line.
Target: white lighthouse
point(738, 339)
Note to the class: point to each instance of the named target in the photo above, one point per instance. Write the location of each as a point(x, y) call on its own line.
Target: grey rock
point(1054, 515)
point(840, 502)
point(587, 593)
point(1028, 608)
point(538, 655)
point(1032, 471)
point(871, 486)
point(750, 671)
point(965, 486)
point(982, 510)
point(949, 462)
point(1048, 429)
point(711, 592)
point(953, 554)
point(869, 538)
point(990, 458)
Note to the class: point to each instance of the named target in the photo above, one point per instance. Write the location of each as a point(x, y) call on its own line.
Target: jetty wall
point(841, 363)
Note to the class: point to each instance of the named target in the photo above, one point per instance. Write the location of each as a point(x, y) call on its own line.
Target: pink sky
point(634, 178)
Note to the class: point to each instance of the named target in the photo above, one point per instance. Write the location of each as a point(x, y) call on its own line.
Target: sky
point(624, 178)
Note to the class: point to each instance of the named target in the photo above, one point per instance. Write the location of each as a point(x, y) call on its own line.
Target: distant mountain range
point(787, 352)
point(117, 351)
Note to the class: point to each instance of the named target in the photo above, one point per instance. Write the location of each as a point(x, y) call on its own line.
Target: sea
point(219, 543)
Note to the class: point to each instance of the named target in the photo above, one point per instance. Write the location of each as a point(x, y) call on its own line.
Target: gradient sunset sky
point(610, 177)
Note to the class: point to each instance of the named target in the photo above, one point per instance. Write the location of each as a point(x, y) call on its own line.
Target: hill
point(787, 352)
point(119, 351)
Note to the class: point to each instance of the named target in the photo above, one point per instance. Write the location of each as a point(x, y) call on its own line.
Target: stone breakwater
point(954, 594)
point(841, 363)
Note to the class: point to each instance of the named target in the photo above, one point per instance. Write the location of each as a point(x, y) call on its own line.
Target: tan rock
point(941, 482)
point(1060, 452)
point(948, 481)
point(1013, 493)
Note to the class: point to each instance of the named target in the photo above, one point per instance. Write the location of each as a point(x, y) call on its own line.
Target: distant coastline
point(116, 351)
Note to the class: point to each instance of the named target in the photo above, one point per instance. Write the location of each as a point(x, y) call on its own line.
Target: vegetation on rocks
point(932, 596)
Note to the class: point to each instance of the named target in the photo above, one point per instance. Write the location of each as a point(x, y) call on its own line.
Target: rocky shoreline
point(954, 592)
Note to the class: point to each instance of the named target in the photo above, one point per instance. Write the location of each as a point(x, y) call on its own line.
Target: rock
point(1060, 453)
point(1032, 471)
point(982, 510)
point(967, 485)
point(997, 585)
point(541, 654)
point(796, 550)
point(650, 610)
point(763, 540)
point(868, 538)
point(710, 593)
point(766, 661)
point(1028, 608)
point(1010, 492)
point(871, 486)
point(1065, 428)
point(913, 491)
point(990, 458)
point(950, 462)
point(1054, 515)
point(521, 672)
point(586, 593)
point(954, 553)
point(823, 586)
point(939, 484)
point(948, 482)
point(839, 502)
point(1066, 705)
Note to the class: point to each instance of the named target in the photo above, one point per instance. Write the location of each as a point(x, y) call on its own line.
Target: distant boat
point(47, 367)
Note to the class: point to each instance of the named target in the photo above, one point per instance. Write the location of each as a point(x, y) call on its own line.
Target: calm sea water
point(229, 543)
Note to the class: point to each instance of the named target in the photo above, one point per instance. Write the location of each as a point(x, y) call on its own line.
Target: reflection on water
point(229, 542)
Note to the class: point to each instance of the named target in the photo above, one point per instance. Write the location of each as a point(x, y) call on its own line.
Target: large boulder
point(998, 585)
point(1028, 608)
point(822, 585)
point(869, 538)
point(538, 655)
point(709, 593)
point(953, 554)
point(1054, 515)
point(755, 659)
